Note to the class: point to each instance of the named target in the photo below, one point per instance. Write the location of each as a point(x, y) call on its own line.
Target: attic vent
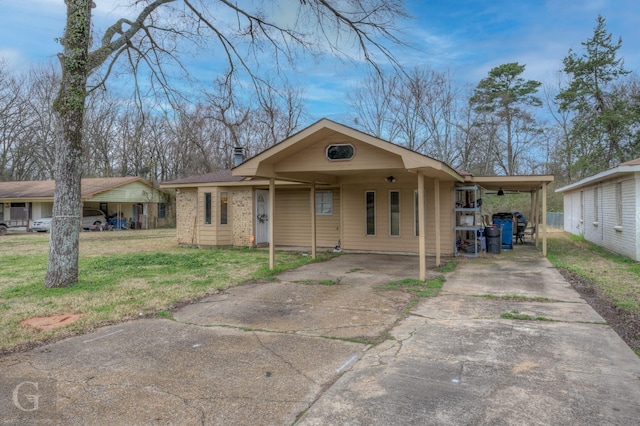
point(343, 151)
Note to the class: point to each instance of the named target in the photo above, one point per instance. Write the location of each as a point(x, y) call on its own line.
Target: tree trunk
point(67, 201)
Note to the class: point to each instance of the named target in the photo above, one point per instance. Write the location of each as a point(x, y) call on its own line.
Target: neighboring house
point(605, 209)
point(331, 185)
point(133, 199)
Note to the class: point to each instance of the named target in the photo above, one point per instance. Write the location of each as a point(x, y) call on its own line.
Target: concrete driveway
point(455, 361)
point(256, 354)
point(265, 353)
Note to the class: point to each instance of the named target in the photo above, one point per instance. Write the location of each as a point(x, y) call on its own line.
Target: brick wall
point(620, 238)
point(242, 216)
point(186, 209)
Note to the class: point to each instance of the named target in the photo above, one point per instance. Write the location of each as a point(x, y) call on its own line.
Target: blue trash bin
point(507, 231)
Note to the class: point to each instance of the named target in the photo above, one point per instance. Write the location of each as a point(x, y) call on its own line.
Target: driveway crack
point(287, 362)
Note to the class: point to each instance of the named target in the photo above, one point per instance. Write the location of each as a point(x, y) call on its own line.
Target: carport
point(536, 186)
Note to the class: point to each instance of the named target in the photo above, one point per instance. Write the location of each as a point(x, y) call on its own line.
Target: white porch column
point(422, 229)
point(436, 215)
point(313, 220)
point(272, 202)
point(544, 219)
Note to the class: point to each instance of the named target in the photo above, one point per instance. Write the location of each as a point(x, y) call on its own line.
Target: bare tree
point(417, 109)
point(100, 130)
point(372, 103)
point(152, 37)
point(12, 124)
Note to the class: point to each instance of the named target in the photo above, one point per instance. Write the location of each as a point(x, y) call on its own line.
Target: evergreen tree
point(600, 117)
point(501, 101)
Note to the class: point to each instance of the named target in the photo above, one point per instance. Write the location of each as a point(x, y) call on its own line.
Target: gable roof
point(43, 189)
point(268, 164)
point(263, 164)
point(632, 166)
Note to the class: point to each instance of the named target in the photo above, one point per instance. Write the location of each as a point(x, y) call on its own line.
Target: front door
point(262, 216)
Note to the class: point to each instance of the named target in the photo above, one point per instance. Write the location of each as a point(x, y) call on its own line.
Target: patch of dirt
point(51, 322)
point(623, 322)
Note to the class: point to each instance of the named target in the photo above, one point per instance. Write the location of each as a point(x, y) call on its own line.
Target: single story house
point(331, 185)
point(132, 199)
point(605, 209)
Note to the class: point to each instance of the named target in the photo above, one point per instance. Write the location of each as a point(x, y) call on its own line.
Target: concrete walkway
point(267, 353)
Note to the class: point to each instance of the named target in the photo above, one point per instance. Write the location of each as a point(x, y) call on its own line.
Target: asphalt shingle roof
point(44, 188)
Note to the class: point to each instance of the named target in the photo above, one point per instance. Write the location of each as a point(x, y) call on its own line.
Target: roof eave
point(602, 176)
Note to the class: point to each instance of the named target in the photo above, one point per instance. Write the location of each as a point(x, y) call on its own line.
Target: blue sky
point(465, 37)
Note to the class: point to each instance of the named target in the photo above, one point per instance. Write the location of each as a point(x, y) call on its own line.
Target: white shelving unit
point(467, 221)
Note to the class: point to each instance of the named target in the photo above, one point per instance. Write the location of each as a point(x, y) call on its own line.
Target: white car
point(41, 225)
point(92, 219)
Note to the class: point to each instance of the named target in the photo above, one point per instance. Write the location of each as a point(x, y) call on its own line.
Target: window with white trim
point(619, 203)
point(370, 206)
point(224, 208)
point(340, 152)
point(207, 208)
point(324, 203)
point(595, 204)
point(394, 213)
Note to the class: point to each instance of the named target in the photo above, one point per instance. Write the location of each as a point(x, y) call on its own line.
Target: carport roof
point(525, 184)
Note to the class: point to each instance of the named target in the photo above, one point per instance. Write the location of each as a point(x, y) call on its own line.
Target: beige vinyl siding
point(354, 232)
point(293, 219)
point(207, 235)
point(446, 217)
point(366, 157)
point(214, 234)
point(225, 232)
point(328, 226)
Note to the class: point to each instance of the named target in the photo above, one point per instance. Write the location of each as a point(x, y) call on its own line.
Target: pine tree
point(600, 118)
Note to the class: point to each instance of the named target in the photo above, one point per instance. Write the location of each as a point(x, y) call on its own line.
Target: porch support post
point(544, 219)
point(532, 211)
point(313, 220)
point(537, 217)
point(436, 215)
point(272, 202)
point(422, 252)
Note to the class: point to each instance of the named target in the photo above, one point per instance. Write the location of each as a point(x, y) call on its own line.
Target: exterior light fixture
point(390, 179)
